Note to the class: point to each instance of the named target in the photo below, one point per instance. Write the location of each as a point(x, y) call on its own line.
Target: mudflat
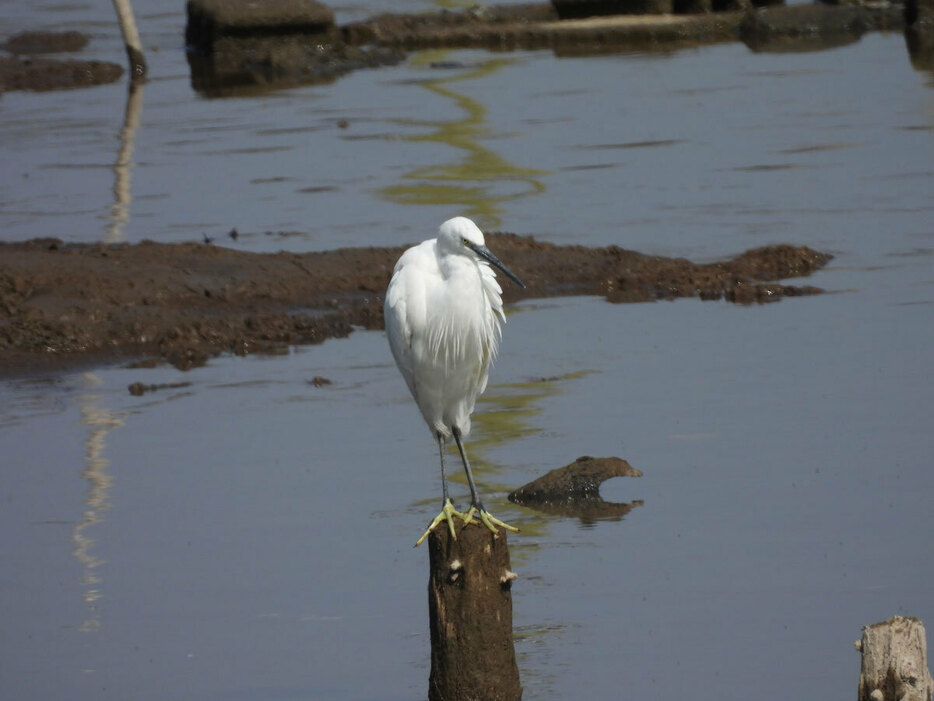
point(66, 304)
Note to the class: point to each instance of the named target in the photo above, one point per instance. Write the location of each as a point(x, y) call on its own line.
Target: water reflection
point(120, 209)
point(101, 422)
point(921, 54)
point(480, 182)
point(507, 411)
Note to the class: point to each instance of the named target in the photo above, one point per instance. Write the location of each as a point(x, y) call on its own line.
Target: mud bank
point(41, 74)
point(25, 70)
point(183, 303)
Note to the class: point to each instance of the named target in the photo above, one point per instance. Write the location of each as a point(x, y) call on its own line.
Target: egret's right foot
point(447, 513)
point(486, 519)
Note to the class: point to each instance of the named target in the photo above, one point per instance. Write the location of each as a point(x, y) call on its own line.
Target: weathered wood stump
point(574, 490)
point(470, 617)
point(894, 666)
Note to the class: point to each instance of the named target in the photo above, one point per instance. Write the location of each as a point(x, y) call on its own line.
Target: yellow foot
point(447, 513)
point(487, 519)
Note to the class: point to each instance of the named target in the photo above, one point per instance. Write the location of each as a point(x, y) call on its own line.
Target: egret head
point(461, 236)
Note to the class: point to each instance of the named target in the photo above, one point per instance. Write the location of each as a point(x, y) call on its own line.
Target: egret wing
point(405, 311)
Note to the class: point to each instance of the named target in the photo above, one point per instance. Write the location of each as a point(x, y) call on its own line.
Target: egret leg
point(447, 508)
point(444, 477)
point(476, 506)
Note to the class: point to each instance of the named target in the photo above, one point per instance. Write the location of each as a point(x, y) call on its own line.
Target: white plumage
point(443, 312)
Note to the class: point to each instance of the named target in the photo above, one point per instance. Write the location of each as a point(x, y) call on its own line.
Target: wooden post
point(470, 617)
point(134, 50)
point(894, 665)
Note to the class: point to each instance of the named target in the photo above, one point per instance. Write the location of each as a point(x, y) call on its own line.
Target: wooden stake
point(470, 616)
point(134, 50)
point(894, 665)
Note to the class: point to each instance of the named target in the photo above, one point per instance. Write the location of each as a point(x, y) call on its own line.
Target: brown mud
point(71, 304)
point(41, 74)
point(45, 42)
point(24, 70)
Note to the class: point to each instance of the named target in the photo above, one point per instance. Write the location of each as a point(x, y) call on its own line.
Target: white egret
point(443, 312)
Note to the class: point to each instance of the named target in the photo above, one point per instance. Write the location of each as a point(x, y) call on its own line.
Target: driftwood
point(470, 616)
point(894, 666)
point(574, 490)
point(134, 49)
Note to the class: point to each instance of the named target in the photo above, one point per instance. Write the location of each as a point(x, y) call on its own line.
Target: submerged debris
point(574, 490)
point(137, 389)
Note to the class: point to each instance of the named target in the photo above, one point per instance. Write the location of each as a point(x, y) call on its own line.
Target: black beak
point(487, 254)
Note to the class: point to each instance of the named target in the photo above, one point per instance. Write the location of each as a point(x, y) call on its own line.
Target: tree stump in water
point(894, 666)
point(470, 617)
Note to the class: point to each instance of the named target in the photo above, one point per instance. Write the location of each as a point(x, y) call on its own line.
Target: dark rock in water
point(247, 64)
point(700, 7)
point(238, 46)
point(921, 51)
point(574, 490)
point(45, 42)
point(577, 9)
point(208, 20)
point(138, 389)
point(812, 27)
point(446, 28)
point(919, 31)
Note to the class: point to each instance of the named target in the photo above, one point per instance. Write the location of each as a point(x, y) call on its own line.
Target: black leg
point(444, 479)
point(475, 499)
point(486, 519)
point(447, 508)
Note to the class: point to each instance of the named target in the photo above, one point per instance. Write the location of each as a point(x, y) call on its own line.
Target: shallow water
point(249, 535)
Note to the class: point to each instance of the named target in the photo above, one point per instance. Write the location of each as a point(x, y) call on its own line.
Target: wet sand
point(66, 305)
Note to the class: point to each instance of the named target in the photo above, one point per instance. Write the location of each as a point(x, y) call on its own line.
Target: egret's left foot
point(447, 513)
point(487, 519)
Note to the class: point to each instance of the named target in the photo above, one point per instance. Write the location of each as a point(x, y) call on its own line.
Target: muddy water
point(248, 535)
